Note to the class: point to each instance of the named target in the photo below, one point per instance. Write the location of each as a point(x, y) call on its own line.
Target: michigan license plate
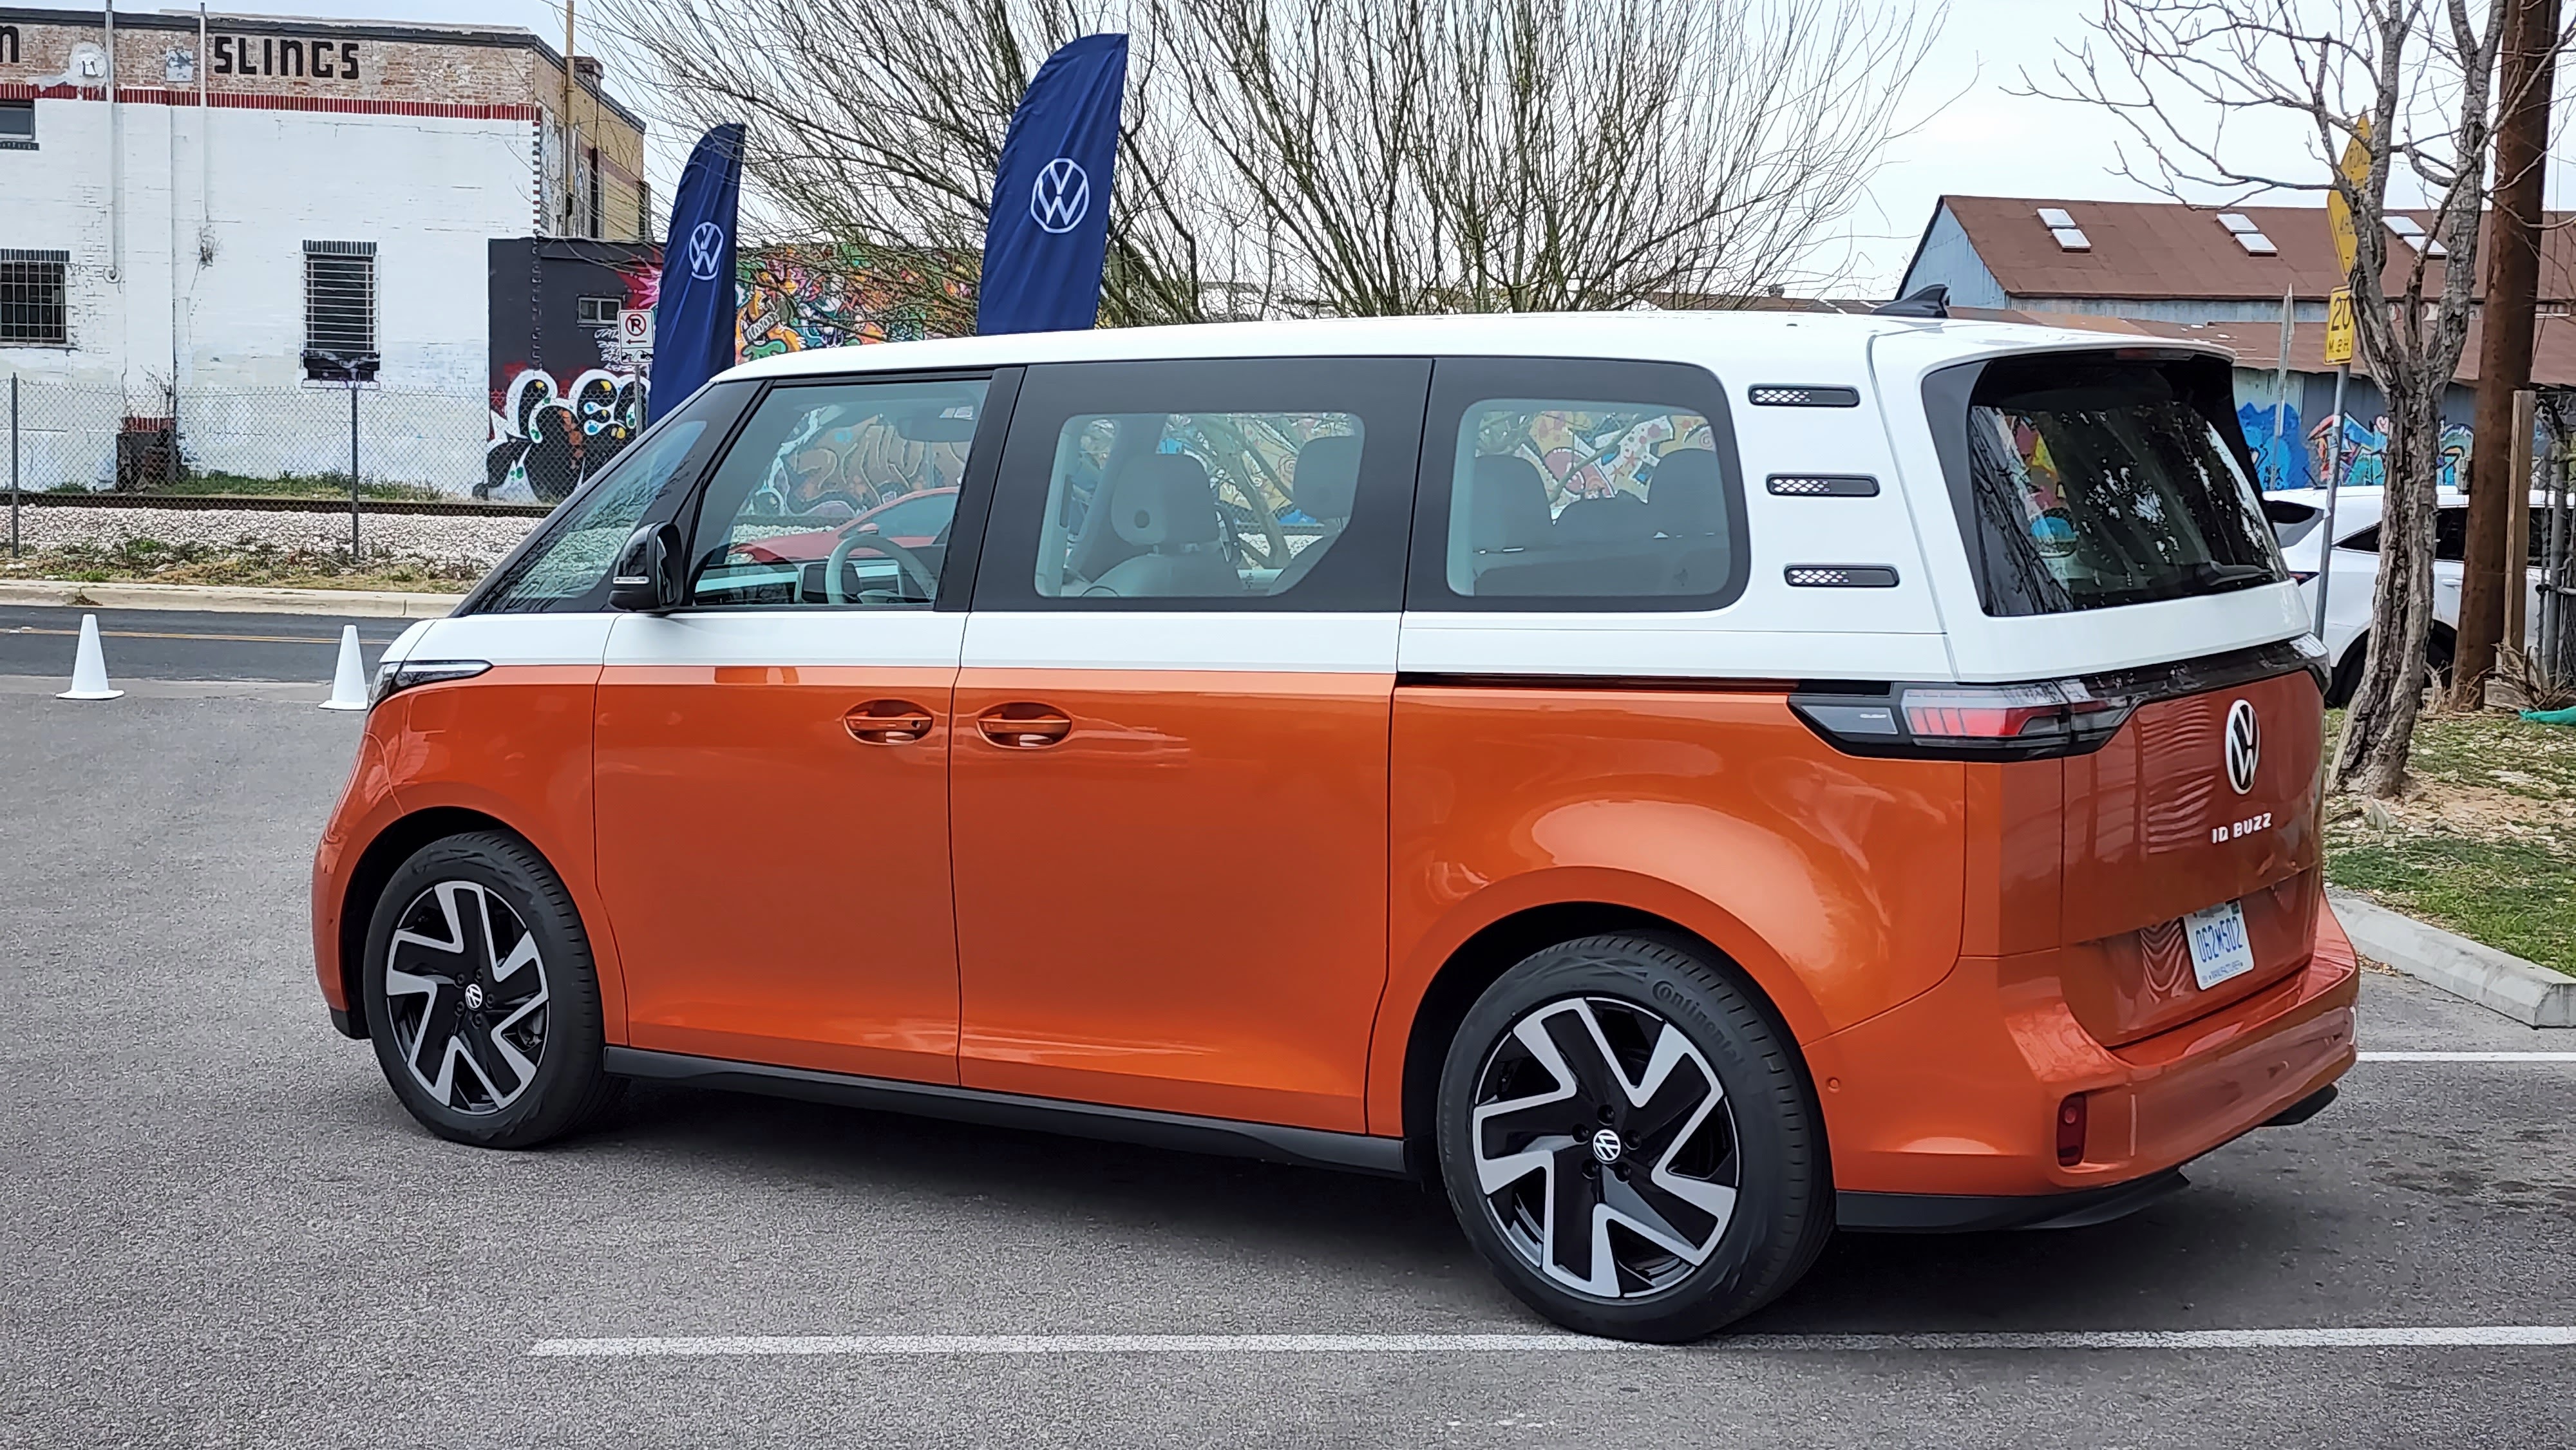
point(2219, 949)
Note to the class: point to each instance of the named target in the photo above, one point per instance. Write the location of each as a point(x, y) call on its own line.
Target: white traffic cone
point(89, 667)
point(349, 683)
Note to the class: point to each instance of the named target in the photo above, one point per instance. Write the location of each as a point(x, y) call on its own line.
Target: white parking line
point(918, 1346)
point(2467, 1056)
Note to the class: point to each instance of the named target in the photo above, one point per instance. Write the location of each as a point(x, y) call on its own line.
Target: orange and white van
point(1683, 783)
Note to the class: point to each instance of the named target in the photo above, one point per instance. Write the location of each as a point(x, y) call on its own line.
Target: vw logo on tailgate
point(2244, 746)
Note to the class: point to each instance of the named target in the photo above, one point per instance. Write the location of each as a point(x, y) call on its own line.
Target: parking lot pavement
point(36, 641)
point(222, 1230)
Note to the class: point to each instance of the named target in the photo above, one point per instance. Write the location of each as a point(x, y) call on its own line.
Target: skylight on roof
point(2071, 239)
point(2247, 235)
point(2055, 218)
point(2412, 233)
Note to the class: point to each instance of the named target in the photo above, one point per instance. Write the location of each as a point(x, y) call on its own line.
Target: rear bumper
point(1954, 1094)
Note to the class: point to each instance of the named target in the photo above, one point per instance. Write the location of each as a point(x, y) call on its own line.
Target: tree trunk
point(2380, 730)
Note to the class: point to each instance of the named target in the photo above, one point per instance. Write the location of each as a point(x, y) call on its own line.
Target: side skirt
point(1306, 1147)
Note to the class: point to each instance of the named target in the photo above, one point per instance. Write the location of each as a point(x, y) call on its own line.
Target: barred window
point(340, 310)
point(32, 313)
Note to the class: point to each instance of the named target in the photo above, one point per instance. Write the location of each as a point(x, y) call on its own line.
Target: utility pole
point(570, 164)
point(2504, 342)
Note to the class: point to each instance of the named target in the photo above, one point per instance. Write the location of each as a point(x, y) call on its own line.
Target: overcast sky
point(1985, 142)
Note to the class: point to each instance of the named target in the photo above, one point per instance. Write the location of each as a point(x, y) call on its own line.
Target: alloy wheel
point(465, 988)
point(1604, 1146)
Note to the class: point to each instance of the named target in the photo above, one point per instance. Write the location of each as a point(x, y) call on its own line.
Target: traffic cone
point(349, 683)
point(89, 667)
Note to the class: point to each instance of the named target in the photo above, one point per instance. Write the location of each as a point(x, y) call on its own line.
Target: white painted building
point(222, 206)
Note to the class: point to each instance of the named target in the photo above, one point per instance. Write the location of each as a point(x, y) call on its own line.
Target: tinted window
point(2091, 483)
point(797, 512)
point(2367, 541)
point(564, 566)
point(1232, 484)
point(2451, 535)
point(1580, 484)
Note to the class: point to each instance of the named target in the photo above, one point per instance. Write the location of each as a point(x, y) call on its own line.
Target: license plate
point(2219, 949)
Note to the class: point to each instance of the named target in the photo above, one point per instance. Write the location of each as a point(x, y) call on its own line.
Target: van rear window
point(2088, 484)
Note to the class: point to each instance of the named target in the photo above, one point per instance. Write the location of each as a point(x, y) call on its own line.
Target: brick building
point(203, 204)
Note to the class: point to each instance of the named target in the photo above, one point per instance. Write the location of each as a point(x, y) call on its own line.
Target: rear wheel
point(1630, 1142)
point(481, 999)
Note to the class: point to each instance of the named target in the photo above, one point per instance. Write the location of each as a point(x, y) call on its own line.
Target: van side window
point(1607, 486)
point(1224, 485)
point(837, 494)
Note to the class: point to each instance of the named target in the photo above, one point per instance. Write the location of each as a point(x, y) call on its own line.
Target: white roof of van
point(1776, 344)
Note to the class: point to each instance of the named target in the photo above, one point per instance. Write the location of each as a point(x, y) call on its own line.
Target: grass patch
point(296, 485)
point(2484, 841)
point(251, 562)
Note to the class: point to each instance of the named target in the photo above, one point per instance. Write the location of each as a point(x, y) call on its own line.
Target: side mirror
point(647, 577)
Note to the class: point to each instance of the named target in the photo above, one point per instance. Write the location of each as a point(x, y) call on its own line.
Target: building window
point(32, 313)
point(17, 125)
point(590, 175)
point(597, 311)
point(340, 311)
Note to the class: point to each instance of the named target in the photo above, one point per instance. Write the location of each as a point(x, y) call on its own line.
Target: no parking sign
point(635, 327)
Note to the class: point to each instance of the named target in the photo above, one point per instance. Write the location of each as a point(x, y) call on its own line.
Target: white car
point(2298, 519)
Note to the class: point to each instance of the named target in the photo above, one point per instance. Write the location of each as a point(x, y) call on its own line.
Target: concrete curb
point(2529, 994)
point(286, 691)
point(228, 598)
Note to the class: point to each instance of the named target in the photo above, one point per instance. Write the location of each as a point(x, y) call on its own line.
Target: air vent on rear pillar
point(1840, 576)
point(1800, 395)
point(1823, 485)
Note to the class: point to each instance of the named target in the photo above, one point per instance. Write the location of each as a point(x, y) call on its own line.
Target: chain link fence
point(235, 469)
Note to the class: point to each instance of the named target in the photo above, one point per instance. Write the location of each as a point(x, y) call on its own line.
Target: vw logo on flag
point(706, 251)
point(2244, 746)
point(1060, 197)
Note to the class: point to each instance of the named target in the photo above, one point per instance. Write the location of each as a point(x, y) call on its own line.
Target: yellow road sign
point(2339, 325)
point(2356, 169)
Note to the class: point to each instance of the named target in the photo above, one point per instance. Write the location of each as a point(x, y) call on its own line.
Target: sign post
point(2339, 336)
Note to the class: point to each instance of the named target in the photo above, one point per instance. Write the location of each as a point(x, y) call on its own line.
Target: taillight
point(1980, 722)
point(2070, 1131)
point(2302, 576)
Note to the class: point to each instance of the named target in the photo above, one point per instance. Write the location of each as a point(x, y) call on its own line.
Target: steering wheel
point(911, 563)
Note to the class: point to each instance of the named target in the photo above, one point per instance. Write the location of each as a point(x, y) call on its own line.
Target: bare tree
point(880, 123)
point(1340, 156)
point(1520, 155)
point(2200, 84)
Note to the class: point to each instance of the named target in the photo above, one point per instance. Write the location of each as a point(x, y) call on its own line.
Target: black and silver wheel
point(480, 995)
point(1630, 1142)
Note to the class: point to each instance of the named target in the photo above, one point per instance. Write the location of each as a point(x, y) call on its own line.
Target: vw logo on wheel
point(2244, 746)
point(1060, 197)
point(1606, 1146)
point(706, 251)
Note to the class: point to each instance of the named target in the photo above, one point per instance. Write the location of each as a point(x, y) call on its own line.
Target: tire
point(1737, 1186)
point(481, 997)
point(2439, 647)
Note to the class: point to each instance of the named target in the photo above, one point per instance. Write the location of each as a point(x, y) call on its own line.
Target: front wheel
point(1630, 1143)
point(480, 995)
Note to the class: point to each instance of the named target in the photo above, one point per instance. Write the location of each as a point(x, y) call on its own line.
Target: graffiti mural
point(2365, 452)
point(2280, 459)
point(546, 440)
point(791, 298)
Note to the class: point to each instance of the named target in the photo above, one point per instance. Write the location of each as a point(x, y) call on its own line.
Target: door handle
point(1022, 725)
point(887, 722)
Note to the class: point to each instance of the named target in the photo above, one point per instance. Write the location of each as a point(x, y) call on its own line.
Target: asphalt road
point(220, 1229)
point(37, 641)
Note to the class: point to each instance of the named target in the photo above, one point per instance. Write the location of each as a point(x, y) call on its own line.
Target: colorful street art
point(2281, 460)
point(2365, 455)
point(790, 298)
point(545, 441)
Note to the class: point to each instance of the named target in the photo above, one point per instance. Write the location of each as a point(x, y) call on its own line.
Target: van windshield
point(2096, 483)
